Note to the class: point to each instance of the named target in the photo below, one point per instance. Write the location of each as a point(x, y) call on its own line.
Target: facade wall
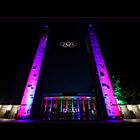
point(130, 111)
point(8, 111)
point(127, 111)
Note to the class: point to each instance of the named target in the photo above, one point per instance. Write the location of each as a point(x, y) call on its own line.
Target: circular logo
point(68, 44)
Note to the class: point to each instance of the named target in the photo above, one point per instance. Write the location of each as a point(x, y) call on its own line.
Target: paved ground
point(106, 128)
point(125, 121)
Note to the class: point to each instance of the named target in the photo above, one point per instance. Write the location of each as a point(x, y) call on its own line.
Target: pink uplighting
point(106, 86)
point(29, 92)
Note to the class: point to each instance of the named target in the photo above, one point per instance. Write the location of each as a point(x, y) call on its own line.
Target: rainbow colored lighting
point(107, 90)
point(29, 92)
point(71, 107)
point(67, 99)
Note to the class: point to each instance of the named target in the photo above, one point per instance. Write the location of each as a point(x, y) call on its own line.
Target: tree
point(120, 93)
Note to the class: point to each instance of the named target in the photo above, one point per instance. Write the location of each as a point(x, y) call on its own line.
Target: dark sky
point(19, 37)
point(67, 69)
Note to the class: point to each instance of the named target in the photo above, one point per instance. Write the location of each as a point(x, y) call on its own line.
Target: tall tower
point(69, 105)
point(106, 86)
point(30, 89)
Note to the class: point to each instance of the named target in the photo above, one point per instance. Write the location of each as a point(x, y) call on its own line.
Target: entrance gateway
point(70, 65)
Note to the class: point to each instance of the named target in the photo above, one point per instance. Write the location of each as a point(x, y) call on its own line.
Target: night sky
point(67, 69)
point(19, 37)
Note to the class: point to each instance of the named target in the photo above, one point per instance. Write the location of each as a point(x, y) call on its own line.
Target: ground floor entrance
point(69, 108)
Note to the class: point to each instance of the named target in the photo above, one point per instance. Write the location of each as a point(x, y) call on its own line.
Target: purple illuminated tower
point(107, 90)
point(30, 89)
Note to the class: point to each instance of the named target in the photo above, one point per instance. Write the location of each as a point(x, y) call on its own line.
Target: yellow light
point(129, 107)
point(139, 106)
point(9, 107)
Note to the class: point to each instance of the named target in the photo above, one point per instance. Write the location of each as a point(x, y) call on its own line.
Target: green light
point(120, 102)
point(61, 97)
point(72, 105)
point(61, 106)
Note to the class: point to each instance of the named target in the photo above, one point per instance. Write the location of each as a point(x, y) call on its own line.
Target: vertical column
point(78, 107)
point(89, 104)
point(56, 103)
point(50, 110)
point(89, 112)
point(73, 110)
point(84, 109)
point(107, 90)
point(72, 105)
point(29, 92)
point(46, 101)
point(61, 105)
point(44, 113)
point(66, 104)
point(83, 103)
